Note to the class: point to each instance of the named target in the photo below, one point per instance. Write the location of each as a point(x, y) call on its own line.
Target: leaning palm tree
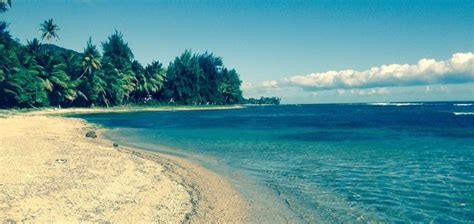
point(154, 78)
point(149, 81)
point(90, 60)
point(49, 30)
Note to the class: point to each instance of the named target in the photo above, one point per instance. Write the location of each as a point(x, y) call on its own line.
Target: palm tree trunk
point(81, 75)
point(226, 98)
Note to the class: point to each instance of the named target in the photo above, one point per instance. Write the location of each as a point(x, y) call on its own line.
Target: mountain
point(58, 49)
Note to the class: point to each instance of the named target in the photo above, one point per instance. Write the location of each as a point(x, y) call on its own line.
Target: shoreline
point(63, 178)
point(117, 109)
point(212, 192)
point(264, 202)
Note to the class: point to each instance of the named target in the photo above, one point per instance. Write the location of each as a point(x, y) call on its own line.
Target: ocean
point(329, 163)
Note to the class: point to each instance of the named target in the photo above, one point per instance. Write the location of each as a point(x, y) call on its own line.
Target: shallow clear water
point(327, 163)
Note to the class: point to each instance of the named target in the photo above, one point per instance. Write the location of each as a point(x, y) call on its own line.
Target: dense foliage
point(42, 74)
point(201, 79)
point(263, 101)
point(39, 74)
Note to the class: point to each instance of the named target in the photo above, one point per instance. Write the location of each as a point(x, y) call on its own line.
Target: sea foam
point(462, 104)
point(463, 113)
point(395, 104)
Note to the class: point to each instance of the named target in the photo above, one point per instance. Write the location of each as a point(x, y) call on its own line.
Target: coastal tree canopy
point(42, 74)
point(201, 79)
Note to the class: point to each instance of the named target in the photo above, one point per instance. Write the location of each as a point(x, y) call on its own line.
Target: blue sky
point(277, 40)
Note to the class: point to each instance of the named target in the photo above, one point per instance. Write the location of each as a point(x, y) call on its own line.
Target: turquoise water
point(326, 163)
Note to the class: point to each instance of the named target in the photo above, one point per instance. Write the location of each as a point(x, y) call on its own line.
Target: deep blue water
point(327, 163)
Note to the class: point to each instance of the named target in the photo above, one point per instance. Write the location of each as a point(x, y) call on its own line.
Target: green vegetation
point(263, 101)
point(4, 5)
point(42, 74)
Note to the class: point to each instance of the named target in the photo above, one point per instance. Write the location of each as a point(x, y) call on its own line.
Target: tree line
point(263, 101)
point(41, 74)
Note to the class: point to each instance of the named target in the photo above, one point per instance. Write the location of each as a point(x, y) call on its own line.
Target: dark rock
point(115, 145)
point(91, 134)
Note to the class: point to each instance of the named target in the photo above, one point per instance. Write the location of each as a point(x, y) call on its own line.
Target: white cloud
point(458, 69)
point(368, 92)
point(270, 84)
point(246, 86)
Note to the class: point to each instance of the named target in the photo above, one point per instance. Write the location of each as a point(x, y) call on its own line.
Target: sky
point(320, 51)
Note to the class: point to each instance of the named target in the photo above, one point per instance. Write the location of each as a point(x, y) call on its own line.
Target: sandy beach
point(50, 172)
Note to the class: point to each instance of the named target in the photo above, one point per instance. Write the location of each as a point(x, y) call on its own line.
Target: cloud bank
point(458, 69)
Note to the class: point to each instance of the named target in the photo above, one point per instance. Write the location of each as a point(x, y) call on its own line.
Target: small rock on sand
point(91, 134)
point(61, 161)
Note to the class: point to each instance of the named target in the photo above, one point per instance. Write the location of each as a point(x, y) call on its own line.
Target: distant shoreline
point(37, 149)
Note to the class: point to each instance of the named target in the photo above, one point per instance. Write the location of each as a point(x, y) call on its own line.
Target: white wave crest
point(395, 104)
point(462, 104)
point(463, 113)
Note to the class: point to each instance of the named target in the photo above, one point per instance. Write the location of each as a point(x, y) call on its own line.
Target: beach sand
point(50, 172)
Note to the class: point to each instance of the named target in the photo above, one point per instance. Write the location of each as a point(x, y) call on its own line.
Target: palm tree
point(19, 86)
point(90, 60)
point(70, 59)
point(92, 85)
point(49, 30)
point(156, 76)
point(120, 83)
point(117, 66)
point(28, 56)
point(33, 47)
point(56, 82)
point(149, 80)
point(97, 90)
